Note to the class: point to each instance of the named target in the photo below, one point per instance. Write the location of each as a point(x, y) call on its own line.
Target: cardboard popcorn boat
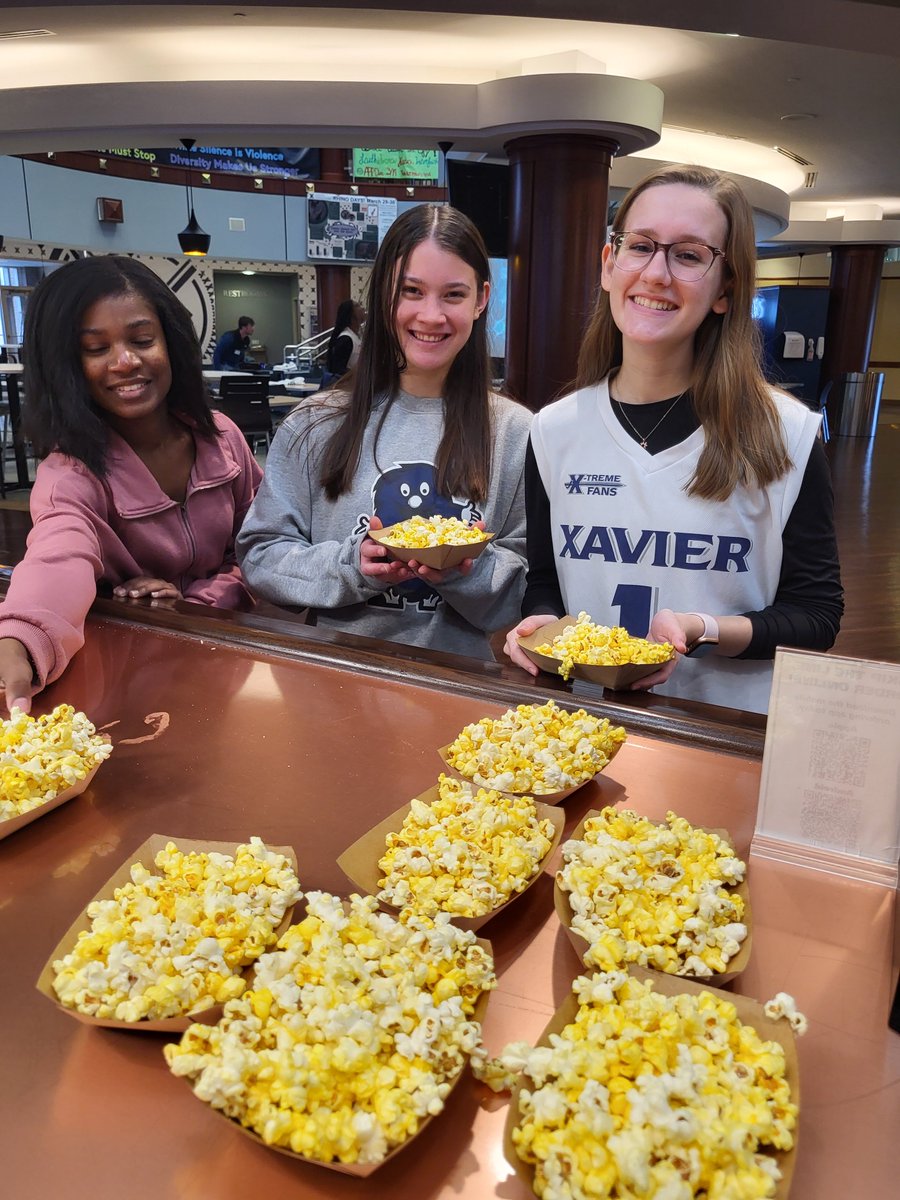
point(439, 558)
point(13, 823)
point(614, 677)
point(735, 965)
point(361, 1170)
point(359, 862)
point(544, 797)
point(749, 1012)
point(145, 854)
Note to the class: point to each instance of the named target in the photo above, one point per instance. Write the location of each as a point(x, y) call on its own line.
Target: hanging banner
point(297, 162)
point(421, 165)
point(348, 228)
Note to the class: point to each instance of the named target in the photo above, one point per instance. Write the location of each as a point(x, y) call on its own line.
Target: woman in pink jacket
point(142, 488)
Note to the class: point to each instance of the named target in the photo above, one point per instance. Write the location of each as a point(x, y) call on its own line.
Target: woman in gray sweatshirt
point(415, 431)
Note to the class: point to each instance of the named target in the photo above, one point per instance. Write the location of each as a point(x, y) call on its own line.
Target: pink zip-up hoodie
point(89, 531)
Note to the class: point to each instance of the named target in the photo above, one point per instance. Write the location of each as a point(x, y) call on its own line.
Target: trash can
point(859, 398)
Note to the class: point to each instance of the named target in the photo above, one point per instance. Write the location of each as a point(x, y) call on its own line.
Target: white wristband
point(708, 639)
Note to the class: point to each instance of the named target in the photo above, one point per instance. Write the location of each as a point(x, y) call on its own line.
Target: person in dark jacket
point(231, 348)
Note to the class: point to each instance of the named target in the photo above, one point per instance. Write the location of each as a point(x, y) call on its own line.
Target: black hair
point(464, 456)
point(342, 321)
point(60, 413)
point(245, 321)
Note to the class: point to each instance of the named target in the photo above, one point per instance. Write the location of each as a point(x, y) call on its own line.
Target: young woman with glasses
point(675, 492)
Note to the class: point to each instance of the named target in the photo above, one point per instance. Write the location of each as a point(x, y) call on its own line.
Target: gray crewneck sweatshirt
point(297, 548)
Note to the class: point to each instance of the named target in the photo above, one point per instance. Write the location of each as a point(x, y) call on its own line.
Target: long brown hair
point(463, 463)
point(733, 402)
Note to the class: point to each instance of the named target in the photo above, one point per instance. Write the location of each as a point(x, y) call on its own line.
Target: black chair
point(246, 402)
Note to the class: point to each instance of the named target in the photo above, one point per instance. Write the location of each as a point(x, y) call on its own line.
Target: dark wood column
point(332, 287)
point(333, 165)
point(559, 193)
point(332, 282)
point(855, 281)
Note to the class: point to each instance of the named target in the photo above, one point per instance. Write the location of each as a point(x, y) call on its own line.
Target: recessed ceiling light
point(248, 272)
point(799, 117)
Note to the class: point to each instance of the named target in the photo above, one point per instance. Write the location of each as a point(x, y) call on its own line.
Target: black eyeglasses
point(688, 261)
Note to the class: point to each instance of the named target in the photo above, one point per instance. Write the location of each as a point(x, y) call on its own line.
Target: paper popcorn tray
point(14, 823)
point(609, 677)
point(440, 558)
point(749, 1012)
point(361, 1170)
point(145, 854)
point(735, 965)
point(543, 797)
point(359, 862)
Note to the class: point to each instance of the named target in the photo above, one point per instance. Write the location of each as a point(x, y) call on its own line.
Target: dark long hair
point(60, 414)
point(341, 322)
point(744, 441)
point(463, 463)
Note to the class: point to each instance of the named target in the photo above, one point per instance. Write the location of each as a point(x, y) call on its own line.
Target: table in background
point(309, 740)
point(10, 375)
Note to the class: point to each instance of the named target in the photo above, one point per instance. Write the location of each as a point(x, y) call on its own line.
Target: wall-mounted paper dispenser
point(794, 345)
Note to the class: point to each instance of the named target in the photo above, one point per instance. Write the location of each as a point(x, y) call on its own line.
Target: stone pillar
point(855, 281)
point(558, 203)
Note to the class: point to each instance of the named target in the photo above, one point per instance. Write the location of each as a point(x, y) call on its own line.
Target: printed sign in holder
point(830, 789)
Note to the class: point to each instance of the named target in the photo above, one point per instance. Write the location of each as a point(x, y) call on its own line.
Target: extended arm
point(275, 548)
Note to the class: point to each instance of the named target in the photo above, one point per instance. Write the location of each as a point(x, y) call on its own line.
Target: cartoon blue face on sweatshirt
point(410, 490)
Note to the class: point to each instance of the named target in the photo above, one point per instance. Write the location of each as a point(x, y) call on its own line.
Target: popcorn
point(645, 1094)
point(41, 757)
point(601, 646)
point(535, 748)
point(175, 942)
point(785, 1006)
point(466, 854)
point(352, 1036)
point(653, 895)
point(419, 532)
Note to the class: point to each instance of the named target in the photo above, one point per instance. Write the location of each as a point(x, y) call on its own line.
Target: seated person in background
point(142, 487)
point(343, 345)
point(231, 349)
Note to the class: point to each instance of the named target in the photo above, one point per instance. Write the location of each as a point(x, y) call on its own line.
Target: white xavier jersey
point(629, 541)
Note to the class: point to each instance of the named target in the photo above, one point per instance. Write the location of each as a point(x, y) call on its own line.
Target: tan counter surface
point(305, 752)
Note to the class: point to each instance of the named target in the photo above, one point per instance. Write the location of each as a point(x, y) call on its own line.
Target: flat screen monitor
point(481, 191)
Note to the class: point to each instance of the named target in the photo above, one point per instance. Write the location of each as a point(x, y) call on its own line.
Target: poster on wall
point(421, 165)
point(348, 228)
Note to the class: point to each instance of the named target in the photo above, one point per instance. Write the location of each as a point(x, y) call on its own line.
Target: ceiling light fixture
point(193, 240)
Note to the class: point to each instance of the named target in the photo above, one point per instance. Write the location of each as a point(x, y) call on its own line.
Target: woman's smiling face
point(650, 306)
point(124, 357)
point(439, 302)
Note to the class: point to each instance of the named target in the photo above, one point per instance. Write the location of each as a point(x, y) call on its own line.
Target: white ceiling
point(823, 83)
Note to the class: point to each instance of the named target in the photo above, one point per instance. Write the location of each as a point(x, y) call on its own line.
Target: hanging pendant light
point(193, 240)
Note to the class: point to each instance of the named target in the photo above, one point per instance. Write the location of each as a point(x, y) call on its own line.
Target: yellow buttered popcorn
point(466, 854)
point(648, 1095)
point(175, 942)
point(654, 895)
point(535, 748)
point(601, 646)
point(416, 533)
point(352, 1036)
point(41, 757)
